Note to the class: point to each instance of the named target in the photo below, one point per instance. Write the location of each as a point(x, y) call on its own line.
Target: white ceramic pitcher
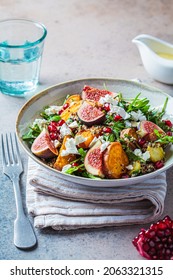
point(157, 57)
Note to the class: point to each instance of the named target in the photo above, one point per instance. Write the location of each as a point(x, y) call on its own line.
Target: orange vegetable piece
point(73, 98)
point(89, 137)
point(72, 109)
point(115, 161)
point(61, 161)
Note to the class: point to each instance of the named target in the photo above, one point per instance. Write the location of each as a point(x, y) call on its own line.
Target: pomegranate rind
point(43, 146)
point(90, 114)
point(146, 130)
point(94, 94)
point(94, 160)
point(156, 243)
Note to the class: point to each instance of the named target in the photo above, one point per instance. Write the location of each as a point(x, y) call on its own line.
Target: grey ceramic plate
point(57, 93)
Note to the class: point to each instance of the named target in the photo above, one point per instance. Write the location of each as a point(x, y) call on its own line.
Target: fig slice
point(94, 94)
point(90, 114)
point(94, 160)
point(146, 130)
point(43, 147)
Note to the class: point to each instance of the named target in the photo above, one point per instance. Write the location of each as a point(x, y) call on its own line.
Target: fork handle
point(24, 236)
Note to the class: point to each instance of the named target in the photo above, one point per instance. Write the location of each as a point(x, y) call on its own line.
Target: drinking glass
point(21, 48)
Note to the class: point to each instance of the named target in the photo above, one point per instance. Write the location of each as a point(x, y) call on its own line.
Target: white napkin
point(65, 205)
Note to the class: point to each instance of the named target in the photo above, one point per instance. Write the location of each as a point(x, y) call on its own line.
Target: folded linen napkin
point(65, 205)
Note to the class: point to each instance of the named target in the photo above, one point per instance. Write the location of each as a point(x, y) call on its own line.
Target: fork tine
point(4, 160)
point(12, 149)
point(18, 158)
point(8, 158)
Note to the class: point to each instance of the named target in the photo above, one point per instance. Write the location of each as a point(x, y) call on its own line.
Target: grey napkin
point(65, 205)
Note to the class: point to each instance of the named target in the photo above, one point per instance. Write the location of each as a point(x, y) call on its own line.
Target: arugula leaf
point(132, 156)
point(163, 139)
point(139, 104)
point(156, 116)
point(32, 134)
point(73, 169)
point(82, 152)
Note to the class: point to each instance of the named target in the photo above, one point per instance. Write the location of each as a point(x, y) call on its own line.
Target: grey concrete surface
point(85, 39)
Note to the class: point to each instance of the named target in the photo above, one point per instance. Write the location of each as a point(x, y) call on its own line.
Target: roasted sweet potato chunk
point(115, 161)
point(73, 108)
point(89, 137)
point(61, 161)
point(73, 98)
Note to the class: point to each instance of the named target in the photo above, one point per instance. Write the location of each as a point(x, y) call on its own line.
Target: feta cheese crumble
point(70, 147)
point(40, 122)
point(145, 156)
point(66, 167)
point(108, 99)
point(65, 130)
point(53, 110)
point(120, 111)
point(137, 116)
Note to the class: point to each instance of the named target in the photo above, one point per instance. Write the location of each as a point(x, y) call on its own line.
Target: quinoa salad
point(100, 134)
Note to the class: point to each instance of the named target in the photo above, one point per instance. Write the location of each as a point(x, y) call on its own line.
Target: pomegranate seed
point(53, 135)
point(107, 130)
point(157, 241)
point(52, 128)
point(141, 142)
point(159, 164)
point(168, 123)
point(117, 118)
point(60, 123)
point(74, 164)
point(107, 107)
point(169, 133)
point(66, 105)
point(60, 112)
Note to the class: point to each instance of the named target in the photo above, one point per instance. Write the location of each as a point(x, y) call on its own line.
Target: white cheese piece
point(104, 146)
point(108, 99)
point(56, 143)
point(120, 111)
point(70, 147)
point(137, 116)
point(129, 167)
point(146, 155)
point(66, 167)
point(128, 124)
point(79, 139)
point(53, 110)
point(137, 152)
point(40, 122)
point(65, 130)
point(93, 142)
point(73, 124)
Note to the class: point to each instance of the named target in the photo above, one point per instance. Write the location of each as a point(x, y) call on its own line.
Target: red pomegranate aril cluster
point(159, 164)
point(64, 107)
point(106, 107)
point(169, 133)
point(156, 242)
point(117, 118)
point(53, 129)
point(168, 123)
point(107, 130)
point(141, 142)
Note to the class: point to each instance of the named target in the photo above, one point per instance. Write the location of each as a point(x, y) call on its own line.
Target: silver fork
point(24, 236)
